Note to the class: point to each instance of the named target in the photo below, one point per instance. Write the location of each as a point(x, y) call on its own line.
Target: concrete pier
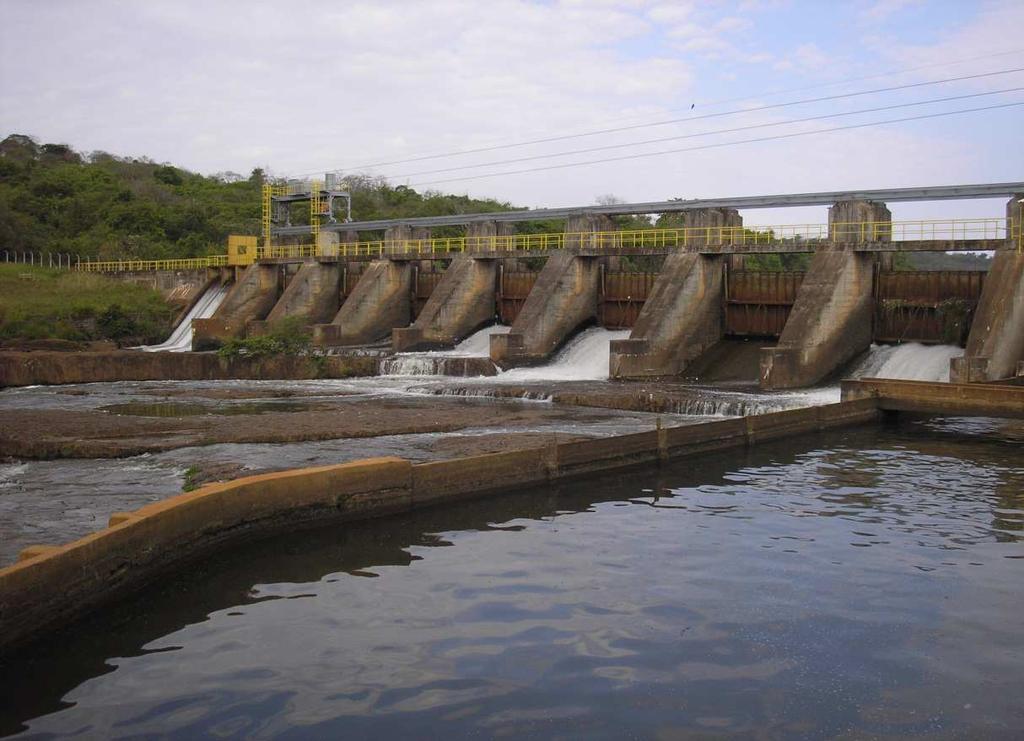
point(680, 320)
point(253, 297)
point(405, 233)
point(995, 346)
point(579, 226)
point(856, 222)
point(312, 295)
point(718, 224)
point(479, 234)
point(380, 301)
point(563, 299)
point(830, 322)
point(462, 302)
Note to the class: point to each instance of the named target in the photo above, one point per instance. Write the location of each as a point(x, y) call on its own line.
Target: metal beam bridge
point(886, 195)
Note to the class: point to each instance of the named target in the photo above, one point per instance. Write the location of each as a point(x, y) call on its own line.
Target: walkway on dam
point(868, 236)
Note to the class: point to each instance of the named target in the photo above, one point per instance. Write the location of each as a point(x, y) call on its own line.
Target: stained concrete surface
point(104, 454)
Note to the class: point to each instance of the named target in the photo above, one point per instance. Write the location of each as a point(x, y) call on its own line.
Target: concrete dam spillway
point(205, 307)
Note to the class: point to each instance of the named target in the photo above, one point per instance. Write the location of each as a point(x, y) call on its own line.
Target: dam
point(680, 291)
point(588, 483)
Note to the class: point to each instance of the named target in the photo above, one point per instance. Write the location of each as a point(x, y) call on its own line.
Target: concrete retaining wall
point(176, 286)
point(51, 585)
point(47, 368)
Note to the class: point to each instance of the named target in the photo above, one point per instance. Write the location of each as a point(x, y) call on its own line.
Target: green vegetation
point(289, 336)
point(955, 315)
point(778, 261)
point(39, 303)
point(101, 206)
point(943, 261)
point(190, 482)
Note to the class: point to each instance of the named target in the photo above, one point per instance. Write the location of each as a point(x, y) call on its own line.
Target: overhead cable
point(748, 127)
point(717, 145)
point(684, 119)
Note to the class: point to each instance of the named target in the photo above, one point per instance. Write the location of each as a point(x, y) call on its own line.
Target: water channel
point(859, 583)
point(54, 501)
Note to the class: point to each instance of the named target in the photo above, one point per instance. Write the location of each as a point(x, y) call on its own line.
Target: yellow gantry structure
point(267, 215)
point(316, 209)
point(792, 235)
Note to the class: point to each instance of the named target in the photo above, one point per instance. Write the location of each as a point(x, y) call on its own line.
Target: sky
point(300, 88)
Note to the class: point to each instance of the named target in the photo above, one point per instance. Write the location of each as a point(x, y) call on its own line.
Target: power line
point(717, 145)
point(626, 145)
point(597, 132)
point(724, 101)
point(852, 79)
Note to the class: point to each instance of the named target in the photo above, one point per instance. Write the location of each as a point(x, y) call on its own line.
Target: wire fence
point(57, 260)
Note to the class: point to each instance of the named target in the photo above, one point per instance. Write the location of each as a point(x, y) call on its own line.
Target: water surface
point(863, 583)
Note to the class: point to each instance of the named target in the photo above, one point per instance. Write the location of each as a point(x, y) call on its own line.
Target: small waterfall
point(585, 358)
point(471, 357)
point(181, 338)
point(908, 362)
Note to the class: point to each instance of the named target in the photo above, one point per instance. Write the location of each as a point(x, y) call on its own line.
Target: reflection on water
point(858, 583)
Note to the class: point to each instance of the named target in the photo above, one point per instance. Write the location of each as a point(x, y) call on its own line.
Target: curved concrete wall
point(51, 585)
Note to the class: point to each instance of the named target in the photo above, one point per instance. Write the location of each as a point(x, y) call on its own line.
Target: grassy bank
point(43, 304)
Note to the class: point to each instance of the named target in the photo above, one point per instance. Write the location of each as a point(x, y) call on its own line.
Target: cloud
point(302, 87)
point(880, 10)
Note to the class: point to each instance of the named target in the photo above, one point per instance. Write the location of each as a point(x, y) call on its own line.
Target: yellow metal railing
point(187, 263)
point(808, 235)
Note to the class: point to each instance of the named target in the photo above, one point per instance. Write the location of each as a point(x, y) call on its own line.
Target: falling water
point(909, 362)
point(585, 358)
point(469, 357)
point(181, 338)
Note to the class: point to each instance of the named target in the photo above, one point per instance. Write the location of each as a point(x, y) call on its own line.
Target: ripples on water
point(862, 583)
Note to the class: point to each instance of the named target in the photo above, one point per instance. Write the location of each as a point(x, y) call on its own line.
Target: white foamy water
point(478, 344)
point(585, 358)
point(435, 362)
point(181, 338)
point(908, 362)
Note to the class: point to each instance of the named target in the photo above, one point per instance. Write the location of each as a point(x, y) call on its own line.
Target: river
point(858, 583)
